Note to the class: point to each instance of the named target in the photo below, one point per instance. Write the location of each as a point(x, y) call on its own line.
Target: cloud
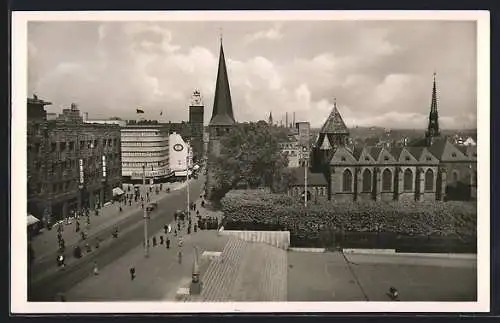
point(273, 33)
point(380, 73)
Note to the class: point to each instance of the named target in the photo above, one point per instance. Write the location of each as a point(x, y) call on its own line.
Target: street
point(45, 287)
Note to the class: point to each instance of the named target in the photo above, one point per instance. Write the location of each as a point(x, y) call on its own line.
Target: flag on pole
point(140, 111)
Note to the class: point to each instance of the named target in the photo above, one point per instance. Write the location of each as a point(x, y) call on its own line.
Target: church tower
point(333, 134)
point(270, 120)
point(196, 115)
point(222, 116)
point(433, 127)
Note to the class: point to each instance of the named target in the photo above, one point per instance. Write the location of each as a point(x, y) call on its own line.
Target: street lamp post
point(187, 182)
point(146, 215)
point(304, 152)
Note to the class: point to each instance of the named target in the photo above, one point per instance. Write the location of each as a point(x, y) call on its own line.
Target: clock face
point(178, 147)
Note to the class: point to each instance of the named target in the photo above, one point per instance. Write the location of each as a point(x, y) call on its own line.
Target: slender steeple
point(222, 114)
point(433, 127)
point(270, 120)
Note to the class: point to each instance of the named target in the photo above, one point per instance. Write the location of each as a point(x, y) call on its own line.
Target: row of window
point(145, 154)
point(148, 164)
point(89, 144)
point(162, 143)
point(140, 134)
point(387, 180)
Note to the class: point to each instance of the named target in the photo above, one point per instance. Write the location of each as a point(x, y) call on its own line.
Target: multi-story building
point(71, 165)
point(71, 115)
point(304, 133)
point(180, 156)
point(196, 115)
point(145, 151)
point(291, 149)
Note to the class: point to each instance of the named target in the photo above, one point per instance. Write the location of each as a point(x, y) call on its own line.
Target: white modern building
point(180, 155)
point(145, 146)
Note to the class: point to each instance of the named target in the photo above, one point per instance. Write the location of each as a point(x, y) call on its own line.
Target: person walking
point(179, 256)
point(154, 241)
point(165, 229)
point(132, 273)
point(167, 243)
point(161, 240)
point(96, 269)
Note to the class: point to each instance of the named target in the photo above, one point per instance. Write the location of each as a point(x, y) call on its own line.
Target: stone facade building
point(70, 164)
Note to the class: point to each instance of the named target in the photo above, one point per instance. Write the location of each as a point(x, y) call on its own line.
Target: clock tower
point(196, 115)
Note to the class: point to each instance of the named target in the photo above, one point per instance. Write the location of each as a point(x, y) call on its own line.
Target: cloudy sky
point(379, 71)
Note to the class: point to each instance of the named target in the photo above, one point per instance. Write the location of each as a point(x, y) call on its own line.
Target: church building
point(438, 170)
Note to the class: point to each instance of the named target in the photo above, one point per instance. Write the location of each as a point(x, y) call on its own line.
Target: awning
point(118, 191)
point(181, 173)
point(32, 220)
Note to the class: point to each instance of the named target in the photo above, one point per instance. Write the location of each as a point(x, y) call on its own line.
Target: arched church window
point(429, 180)
point(367, 180)
point(347, 181)
point(387, 180)
point(408, 180)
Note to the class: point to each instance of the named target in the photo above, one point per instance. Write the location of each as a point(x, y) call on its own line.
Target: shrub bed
point(363, 222)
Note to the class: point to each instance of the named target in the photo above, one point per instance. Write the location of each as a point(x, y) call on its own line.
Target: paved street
point(46, 283)
point(45, 244)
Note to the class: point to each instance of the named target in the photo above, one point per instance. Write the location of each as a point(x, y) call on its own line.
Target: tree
point(250, 155)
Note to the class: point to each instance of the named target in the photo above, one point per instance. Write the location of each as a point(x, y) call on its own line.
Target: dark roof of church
point(396, 152)
point(416, 151)
point(334, 123)
point(222, 114)
point(313, 179)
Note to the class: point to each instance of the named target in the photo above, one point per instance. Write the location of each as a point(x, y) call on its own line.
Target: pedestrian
point(132, 273)
point(169, 228)
point(175, 232)
point(115, 233)
point(120, 208)
point(154, 241)
point(179, 226)
point(97, 244)
point(179, 255)
point(167, 243)
point(161, 240)
point(142, 205)
point(189, 229)
point(96, 269)
point(195, 228)
point(165, 229)
point(130, 202)
point(59, 236)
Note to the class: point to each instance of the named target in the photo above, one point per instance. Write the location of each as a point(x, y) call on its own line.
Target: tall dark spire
point(270, 120)
point(433, 127)
point(222, 114)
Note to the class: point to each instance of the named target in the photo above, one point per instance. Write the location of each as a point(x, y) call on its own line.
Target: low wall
point(279, 239)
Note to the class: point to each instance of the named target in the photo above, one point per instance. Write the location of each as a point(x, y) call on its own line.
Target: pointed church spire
point(433, 127)
point(222, 114)
point(270, 121)
point(334, 124)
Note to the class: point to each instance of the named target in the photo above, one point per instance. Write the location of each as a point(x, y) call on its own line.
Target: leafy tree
point(250, 156)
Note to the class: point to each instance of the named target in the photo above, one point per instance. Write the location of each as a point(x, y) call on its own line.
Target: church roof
point(313, 179)
point(222, 114)
point(334, 124)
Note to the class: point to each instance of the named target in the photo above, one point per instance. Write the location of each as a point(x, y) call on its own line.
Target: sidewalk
point(158, 277)
point(45, 244)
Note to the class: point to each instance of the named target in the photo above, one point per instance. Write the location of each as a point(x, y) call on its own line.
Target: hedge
point(257, 209)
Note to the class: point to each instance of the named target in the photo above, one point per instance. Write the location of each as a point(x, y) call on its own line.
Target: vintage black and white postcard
point(278, 161)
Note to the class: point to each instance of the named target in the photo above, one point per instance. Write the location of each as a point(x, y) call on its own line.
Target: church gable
point(452, 153)
point(385, 157)
point(365, 157)
point(428, 158)
point(405, 157)
point(342, 156)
